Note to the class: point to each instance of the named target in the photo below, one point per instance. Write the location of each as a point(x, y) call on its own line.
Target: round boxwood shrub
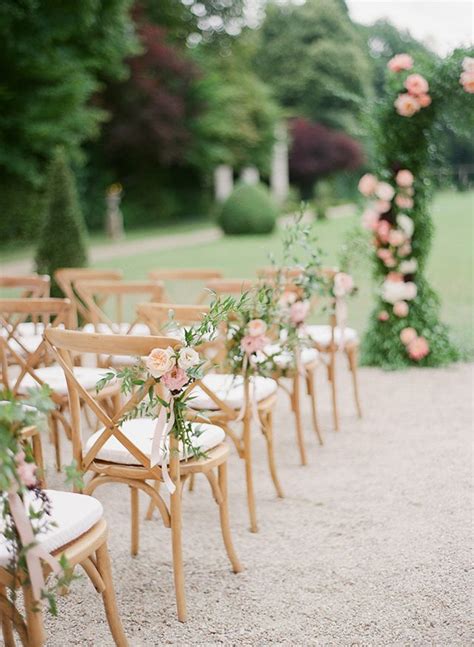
point(248, 210)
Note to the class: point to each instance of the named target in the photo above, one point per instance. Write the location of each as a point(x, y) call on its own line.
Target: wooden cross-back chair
point(329, 339)
point(78, 533)
point(31, 286)
point(185, 276)
point(226, 399)
point(66, 278)
point(27, 363)
point(120, 451)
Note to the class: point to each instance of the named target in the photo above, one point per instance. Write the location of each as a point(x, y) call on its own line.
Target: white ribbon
point(159, 448)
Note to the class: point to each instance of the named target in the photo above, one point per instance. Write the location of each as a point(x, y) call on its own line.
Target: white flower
point(408, 267)
point(188, 358)
point(468, 64)
point(343, 284)
point(160, 361)
point(256, 327)
point(385, 191)
point(393, 291)
point(406, 224)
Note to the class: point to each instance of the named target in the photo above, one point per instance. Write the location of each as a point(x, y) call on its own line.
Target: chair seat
point(72, 514)
point(140, 432)
point(230, 389)
point(121, 328)
point(284, 358)
point(25, 344)
point(54, 377)
point(321, 334)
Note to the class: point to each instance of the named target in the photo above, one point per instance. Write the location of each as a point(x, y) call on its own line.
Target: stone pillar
point(114, 218)
point(279, 180)
point(250, 175)
point(223, 182)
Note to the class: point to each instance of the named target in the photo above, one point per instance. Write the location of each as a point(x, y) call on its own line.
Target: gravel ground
point(369, 547)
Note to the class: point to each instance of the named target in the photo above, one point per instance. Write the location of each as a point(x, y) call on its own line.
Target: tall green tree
point(315, 60)
point(62, 240)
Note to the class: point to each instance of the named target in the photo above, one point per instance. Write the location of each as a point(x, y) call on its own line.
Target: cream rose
point(384, 191)
point(160, 361)
point(188, 358)
point(406, 224)
point(256, 327)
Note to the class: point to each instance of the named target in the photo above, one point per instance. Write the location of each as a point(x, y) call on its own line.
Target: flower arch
point(404, 328)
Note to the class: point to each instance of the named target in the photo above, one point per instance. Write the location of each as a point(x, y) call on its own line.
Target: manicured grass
point(450, 266)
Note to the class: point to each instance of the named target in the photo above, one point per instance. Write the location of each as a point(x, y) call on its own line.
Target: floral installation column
point(404, 328)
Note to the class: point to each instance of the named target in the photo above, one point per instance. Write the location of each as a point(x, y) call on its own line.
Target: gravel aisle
point(369, 547)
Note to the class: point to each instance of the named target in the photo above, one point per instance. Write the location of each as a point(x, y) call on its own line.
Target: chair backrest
point(100, 297)
point(231, 286)
point(157, 315)
point(65, 344)
point(182, 283)
point(66, 278)
point(28, 285)
point(16, 348)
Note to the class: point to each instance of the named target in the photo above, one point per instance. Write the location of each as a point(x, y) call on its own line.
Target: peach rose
point(416, 84)
point(404, 178)
point(418, 348)
point(407, 335)
point(384, 191)
point(467, 81)
point(160, 361)
point(424, 100)
point(400, 309)
point(370, 219)
point(404, 201)
point(400, 62)
point(406, 105)
point(396, 238)
point(175, 379)
point(343, 284)
point(368, 184)
point(394, 276)
point(386, 257)
point(383, 315)
point(383, 230)
point(287, 298)
point(299, 311)
point(256, 327)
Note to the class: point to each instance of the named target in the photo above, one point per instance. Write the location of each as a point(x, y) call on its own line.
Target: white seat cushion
point(54, 376)
point(26, 344)
point(140, 432)
point(73, 515)
point(230, 389)
point(283, 358)
point(321, 334)
point(118, 329)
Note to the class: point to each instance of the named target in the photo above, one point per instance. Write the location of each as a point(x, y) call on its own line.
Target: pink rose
point(383, 230)
point(396, 238)
point(383, 315)
point(382, 206)
point(26, 471)
point(175, 379)
point(385, 191)
point(386, 257)
point(343, 284)
point(416, 84)
point(299, 311)
point(403, 201)
point(370, 219)
point(424, 100)
point(368, 184)
point(394, 276)
point(400, 62)
point(418, 348)
point(400, 309)
point(467, 81)
point(406, 105)
point(404, 250)
point(251, 344)
point(404, 178)
point(256, 327)
point(407, 335)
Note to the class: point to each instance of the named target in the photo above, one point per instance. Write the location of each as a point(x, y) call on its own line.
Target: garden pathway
point(370, 547)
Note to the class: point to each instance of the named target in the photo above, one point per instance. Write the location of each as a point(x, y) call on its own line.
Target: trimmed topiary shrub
point(62, 240)
point(248, 210)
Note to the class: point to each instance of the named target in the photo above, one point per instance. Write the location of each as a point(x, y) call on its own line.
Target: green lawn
point(450, 267)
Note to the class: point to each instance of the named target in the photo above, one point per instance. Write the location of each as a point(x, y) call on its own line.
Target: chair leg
point(267, 429)
point(135, 511)
point(332, 379)
point(34, 619)
point(296, 402)
point(249, 475)
point(191, 482)
point(352, 357)
point(176, 524)
point(224, 517)
point(312, 396)
point(151, 505)
point(7, 625)
point(108, 596)
point(54, 427)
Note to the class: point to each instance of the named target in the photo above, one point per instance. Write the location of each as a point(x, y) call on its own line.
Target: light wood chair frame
point(89, 551)
point(34, 286)
point(66, 278)
point(64, 344)
point(187, 274)
point(156, 315)
point(56, 312)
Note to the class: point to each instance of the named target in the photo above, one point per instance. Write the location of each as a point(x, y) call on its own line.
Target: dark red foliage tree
point(317, 151)
point(152, 108)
